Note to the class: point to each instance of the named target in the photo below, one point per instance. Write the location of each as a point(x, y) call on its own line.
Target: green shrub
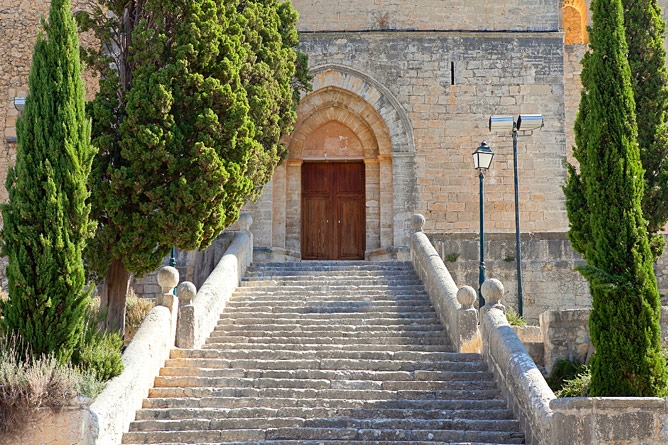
point(562, 371)
point(98, 351)
point(515, 319)
point(576, 387)
point(452, 257)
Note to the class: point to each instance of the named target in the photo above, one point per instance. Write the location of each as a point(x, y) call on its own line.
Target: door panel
point(316, 243)
point(350, 228)
point(333, 211)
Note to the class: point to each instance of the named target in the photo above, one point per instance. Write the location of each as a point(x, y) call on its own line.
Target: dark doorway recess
point(333, 211)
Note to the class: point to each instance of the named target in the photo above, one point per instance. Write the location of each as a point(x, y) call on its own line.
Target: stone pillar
point(386, 207)
point(278, 213)
point(404, 187)
point(293, 205)
point(168, 278)
point(467, 317)
point(372, 204)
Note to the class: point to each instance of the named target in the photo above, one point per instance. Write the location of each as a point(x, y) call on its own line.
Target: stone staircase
point(326, 353)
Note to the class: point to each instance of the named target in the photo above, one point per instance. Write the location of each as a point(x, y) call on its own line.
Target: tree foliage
point(645, 30)
point(46, 222)
point(606, 221)
point(194, 98)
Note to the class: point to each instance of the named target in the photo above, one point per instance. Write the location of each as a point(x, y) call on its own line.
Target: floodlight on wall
point(501, 123)
point(19, 104)
point(529, 122)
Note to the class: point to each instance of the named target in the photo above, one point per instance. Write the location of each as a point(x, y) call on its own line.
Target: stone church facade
point(402, 93)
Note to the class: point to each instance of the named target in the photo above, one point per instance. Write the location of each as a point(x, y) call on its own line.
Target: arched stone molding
point(396, 120)
point(575, 21)
point(332, 106)
point(375, 94)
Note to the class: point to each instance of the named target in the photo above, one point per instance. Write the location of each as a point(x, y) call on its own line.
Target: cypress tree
point(46, 220)
point(645, 31)
point(606, 223)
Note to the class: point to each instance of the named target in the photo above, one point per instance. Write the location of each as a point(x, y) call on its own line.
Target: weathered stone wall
point(572, 87)
point(502, 15)
point(19, 26)
point(549, 279)
point(493, 74)
point(566, 335)
point(548, 261)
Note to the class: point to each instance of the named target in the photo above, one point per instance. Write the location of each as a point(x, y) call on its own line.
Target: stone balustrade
point(454, 306)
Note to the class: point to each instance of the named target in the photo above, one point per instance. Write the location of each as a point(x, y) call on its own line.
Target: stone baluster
point(186, 292)
point(492, 291)
point(467, 318)
point(168, 278)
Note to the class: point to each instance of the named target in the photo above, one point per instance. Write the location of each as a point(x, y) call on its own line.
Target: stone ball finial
point(245, 221)
point(186, 292)
point(417, 222)
point(168, 278)
point(492, 291)
point(466, 296)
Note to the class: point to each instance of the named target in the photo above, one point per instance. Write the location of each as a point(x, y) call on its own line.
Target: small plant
point(135, 311)
point(383, 20)
point(515, 319)
point(576, 387)
point(26, 385)
point(563, 371)
point(98, 351)
point(509, 259)
point(452, 257)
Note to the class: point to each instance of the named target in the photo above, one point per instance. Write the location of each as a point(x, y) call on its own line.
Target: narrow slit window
point(452, 73)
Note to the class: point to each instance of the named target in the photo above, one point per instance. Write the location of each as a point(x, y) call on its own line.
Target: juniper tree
point(46, 220)
point(194, 98)
point(606, 223)
point(645, 31)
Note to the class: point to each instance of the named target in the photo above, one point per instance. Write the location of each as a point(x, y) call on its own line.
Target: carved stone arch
point(575, 21)
point(398, 125)
point(375, 94)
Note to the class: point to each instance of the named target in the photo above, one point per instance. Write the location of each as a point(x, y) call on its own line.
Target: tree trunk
point(114, 291)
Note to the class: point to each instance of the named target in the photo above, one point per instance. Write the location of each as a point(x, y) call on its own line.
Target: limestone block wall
point(449, 84)
point(501, 15)
point(548, 278)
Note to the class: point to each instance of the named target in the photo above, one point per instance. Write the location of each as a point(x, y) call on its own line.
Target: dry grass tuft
point(136, 309)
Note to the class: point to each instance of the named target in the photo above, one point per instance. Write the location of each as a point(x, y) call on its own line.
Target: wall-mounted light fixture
point(20, 104)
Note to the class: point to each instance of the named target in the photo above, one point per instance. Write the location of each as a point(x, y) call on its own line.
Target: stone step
point(320, 316)
point(329, 291)
point(352, 265)
point(314, 393)
point(237, 308)
point(416, 376)
point(334, 280)
point(338, 330)
point(270, 354)
point(315, 321)
point(221, 343)
point(387, 338)
point(324, 301)
point(323, 412)
point(312, 383)
point(331, 364)
point(282, 421)
point(405, 405)
point(342, 434)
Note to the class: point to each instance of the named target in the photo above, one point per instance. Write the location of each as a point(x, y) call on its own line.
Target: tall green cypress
point(46, 220)
point(606, 222)
point(645, 31)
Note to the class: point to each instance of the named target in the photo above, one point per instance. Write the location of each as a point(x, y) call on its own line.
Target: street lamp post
point(525, 122)
point(172, 261)
point(482, 159)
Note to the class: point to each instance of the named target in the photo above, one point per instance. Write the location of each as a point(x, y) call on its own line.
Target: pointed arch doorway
point(333, 211)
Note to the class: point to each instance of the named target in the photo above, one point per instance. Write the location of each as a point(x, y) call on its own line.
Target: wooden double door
point(333, 211)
